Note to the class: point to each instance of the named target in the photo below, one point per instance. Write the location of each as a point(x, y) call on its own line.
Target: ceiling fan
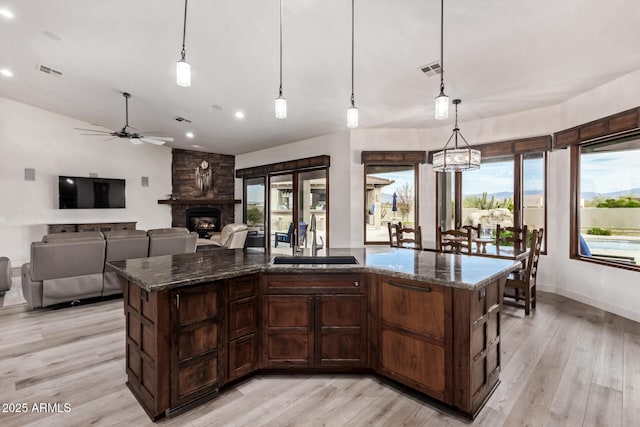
point(133, 137)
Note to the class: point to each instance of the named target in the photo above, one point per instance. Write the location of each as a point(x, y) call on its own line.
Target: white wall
point(47, 142)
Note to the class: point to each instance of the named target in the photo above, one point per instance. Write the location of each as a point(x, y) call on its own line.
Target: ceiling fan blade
point(161, 138)
point(151, 140)
point(92, 130)
point(110, 139)
point(135, 141)
point(94, 134)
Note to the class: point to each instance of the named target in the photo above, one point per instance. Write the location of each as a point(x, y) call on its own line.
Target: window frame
point(574, 202)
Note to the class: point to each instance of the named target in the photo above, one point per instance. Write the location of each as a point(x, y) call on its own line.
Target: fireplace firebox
point(203, 220)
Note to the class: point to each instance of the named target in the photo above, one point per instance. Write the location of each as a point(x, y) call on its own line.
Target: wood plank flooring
point(568, 364)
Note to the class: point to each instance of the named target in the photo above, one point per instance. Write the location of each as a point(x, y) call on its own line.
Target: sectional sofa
point(66, 267)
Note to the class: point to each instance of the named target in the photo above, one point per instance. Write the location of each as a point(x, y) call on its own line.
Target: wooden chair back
point(534, 256)
point(393, 234)
point(405, 240)
point(525, 281)
point(477, 231)
point(458, 241)
point(515, 235)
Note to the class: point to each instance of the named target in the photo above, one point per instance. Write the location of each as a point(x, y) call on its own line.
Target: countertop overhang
point(155, 274)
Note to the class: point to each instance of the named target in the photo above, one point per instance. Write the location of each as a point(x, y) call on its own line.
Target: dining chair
point(512, 236)
point(458, 241)
point(393, 234)
point(525, 279)
point(409, 238)
point(474, 230)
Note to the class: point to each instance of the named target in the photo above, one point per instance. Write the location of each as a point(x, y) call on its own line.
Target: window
point(390, 196)
point(509, 190)
point(606, 199)
point(254, 211)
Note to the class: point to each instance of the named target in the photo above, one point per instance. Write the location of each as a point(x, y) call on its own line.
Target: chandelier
point(456, 159)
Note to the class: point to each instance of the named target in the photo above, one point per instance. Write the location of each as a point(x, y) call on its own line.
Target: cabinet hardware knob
point(356, 284)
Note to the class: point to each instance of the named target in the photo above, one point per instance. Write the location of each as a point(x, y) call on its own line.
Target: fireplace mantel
point(200, 202)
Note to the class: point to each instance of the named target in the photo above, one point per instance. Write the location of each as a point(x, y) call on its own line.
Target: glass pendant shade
point(442, 106)
point(456, 160)
point(352, 117)
point(183, 73)
point(281, 108)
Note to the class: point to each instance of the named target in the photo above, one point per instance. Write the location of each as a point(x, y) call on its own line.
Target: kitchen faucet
point(314, 243)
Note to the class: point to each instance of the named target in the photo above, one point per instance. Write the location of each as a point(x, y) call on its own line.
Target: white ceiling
point(501, 56)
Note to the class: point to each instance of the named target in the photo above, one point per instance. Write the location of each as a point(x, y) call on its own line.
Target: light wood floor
point(566, 365)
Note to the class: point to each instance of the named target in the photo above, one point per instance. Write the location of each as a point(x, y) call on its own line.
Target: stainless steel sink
point(314, 260)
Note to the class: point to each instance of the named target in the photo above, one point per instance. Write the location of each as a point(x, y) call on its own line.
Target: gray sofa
point(71, 266)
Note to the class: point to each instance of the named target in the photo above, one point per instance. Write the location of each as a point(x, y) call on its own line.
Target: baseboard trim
point(620, 311)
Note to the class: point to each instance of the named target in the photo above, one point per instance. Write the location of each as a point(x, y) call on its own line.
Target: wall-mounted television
point(76, 192)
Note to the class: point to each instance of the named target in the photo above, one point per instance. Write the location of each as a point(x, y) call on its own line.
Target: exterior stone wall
point(185, 186)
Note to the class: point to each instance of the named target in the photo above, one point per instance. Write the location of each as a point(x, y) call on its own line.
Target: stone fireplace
point(203, 220)
point(190, 202)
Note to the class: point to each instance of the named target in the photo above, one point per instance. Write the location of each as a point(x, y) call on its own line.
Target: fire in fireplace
point(203, 220)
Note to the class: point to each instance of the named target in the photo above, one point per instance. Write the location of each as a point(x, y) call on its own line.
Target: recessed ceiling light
point(239, 115)
point(5, 72)
point(7, 13)
point(189, 134)
point(216, 107)
point(196, 146)
point(52, 35)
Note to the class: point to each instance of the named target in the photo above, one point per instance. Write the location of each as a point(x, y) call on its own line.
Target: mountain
point(589, 195)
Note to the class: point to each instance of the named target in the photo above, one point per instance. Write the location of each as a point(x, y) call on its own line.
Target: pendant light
point(183, 69)
point(352, 112)
point(456, 159)
point(442, 100)
point(281, 101)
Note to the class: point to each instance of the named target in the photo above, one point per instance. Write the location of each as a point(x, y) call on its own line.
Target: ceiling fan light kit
point(183, 68)
point(133, 137)
point(442, 100)
point(352, 112)
point(281, 101)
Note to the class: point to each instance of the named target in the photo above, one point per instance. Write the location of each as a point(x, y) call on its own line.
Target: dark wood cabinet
point(415, 335)
point(243, 345)
point(326, 330)
point(196, 366)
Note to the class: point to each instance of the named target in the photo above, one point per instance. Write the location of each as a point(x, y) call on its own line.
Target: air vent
point(431, 69)
point(182, 119)
point(49, 70)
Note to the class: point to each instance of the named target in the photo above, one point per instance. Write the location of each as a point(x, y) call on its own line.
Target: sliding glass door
point(254, 213)
point(312, 201)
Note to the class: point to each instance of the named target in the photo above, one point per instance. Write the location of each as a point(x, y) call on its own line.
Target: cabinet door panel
point(414, 362)
point(243, 287)
point(200, 375)
point(197, 339)
point(288, 332)
point(340, 331)
point(243, 317)
point(417, 308)
point(243, 356)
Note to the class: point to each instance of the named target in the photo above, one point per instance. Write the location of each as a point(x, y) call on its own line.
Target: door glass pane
point(312, 200)
point(254, 211)
point(383, 186)
point(446, 199)
point(533, 188)
point(610, 201)
point(487, 194)
point(281, 212)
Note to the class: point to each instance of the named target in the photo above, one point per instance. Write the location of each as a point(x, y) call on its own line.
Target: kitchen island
point(197, 322)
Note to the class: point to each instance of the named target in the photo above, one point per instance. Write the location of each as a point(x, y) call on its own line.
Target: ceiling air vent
point(49, 70)
point(431, 69)
point(182, 119)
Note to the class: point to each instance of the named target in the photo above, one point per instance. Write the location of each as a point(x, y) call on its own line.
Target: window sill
point(592, 260)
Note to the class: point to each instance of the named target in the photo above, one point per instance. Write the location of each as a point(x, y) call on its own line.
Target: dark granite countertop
point(175, 271)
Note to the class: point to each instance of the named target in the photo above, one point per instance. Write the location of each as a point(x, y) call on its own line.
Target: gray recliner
point(5, 274)
point(232, 236)
point(171, 241)
point(64, 268)
point(122, 245)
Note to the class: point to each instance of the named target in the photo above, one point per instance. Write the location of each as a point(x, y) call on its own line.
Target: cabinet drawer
point(243, 356)
point(313, 283)
point(243, 287)
point(415, 306)
point(243, 317)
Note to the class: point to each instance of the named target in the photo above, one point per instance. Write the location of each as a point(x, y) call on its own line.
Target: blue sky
point(609, 172)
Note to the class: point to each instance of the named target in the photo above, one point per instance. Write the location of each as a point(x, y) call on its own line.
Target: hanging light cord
point(184, 30)
point(353, 100)
point(280, 47)
point(441, 47)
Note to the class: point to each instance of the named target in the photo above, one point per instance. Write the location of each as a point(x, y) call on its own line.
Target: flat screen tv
point(76, 192)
